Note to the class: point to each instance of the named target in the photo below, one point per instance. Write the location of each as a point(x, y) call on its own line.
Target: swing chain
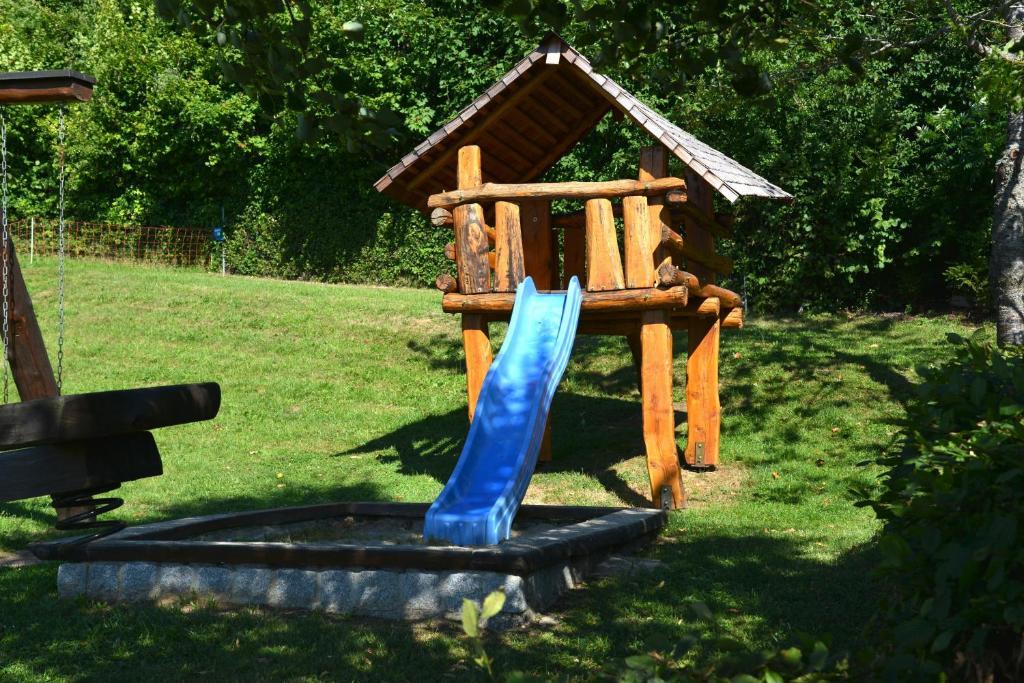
point(60, 256)
point(6, 240)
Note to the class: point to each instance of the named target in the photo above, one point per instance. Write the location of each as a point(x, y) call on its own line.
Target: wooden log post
point(471, 245)
point(703, 409)
point(509, 266)
point(574, 256)
point(604, 266)
point(474, 275)
point(540, 256)
point(659, 422)
point(654, 165)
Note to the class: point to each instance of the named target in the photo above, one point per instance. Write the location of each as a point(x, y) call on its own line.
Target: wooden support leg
point(545, 445)
point(658, 413)
point(703, 411)
point(477, 342)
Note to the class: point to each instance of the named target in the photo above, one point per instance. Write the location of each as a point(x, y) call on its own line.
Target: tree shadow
point(763, 588)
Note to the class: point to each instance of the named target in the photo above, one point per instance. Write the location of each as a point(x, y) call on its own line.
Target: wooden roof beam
point(35, 87)
point(489, 192)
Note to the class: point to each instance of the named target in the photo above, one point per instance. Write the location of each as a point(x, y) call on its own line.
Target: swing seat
point(84, 441)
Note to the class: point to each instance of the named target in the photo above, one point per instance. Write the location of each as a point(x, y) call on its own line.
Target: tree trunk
point(1006, 263)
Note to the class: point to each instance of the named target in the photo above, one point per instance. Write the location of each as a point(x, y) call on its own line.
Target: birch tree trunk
point(1006, 262)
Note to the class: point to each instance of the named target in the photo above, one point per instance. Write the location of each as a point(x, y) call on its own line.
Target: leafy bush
point(951, 501)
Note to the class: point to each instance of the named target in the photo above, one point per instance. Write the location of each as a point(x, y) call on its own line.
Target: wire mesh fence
point(38, 237)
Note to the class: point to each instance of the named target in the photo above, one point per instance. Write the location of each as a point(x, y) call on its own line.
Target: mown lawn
point(356, 393)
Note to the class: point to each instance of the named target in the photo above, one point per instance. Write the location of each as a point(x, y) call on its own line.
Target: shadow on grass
point(764, 588)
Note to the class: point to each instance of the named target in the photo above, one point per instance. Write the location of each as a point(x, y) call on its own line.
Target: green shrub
point(952, 506)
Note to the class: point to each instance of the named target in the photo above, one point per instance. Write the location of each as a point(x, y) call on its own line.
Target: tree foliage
point(890, 160)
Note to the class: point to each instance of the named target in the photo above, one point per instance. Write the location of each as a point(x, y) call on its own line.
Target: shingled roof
point(533, 116)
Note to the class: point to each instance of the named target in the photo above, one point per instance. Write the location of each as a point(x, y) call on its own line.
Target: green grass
point(357, 393)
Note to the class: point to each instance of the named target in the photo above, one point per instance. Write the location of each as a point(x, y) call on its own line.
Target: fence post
point(32, 240)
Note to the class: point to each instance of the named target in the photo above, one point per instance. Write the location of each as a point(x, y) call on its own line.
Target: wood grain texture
point(607, 189)
point(675, 298)
point(703, 409)
point(640, 244)
point(476, 341)
point(703, 339)
point(446, 283)
point(75, 466)
point(510, 266)
point(684, 209)
point(658, 410)
point(471, 245)
point(574, 256)
point(30, 365)
point(539, 250)
point(654, 165)
point(604, 266)
point(698, 259)
point(77, 417)
point(732, 318)
point(671, 276)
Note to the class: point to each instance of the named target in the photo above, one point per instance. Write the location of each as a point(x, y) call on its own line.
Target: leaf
point(470, 618)
point(493, 604)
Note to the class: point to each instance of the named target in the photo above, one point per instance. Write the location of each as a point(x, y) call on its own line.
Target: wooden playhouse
point(476, 175)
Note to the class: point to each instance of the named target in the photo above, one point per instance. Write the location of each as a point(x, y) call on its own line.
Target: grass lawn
point(336, 393)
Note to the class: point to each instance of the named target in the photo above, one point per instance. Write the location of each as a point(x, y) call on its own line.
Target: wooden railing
point(493, 256)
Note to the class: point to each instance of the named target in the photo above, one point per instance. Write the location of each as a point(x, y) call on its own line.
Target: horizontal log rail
point(626, 322)
point(489, 192)
point(675, 243)
point(672, 276)
point(614, 300)
point(720, 227)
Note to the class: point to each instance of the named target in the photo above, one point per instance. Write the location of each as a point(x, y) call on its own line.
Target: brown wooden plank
point(494, 112)
point(671, 276)
point(471, 245)
point(30, 364)
point(604, 265)
point(32, 87)
point(78, 417)
point(539, 251)
point(698, 259)
point(576, 133)
point(510, 268)
point(639, 245)
point(703, 338)
point(476, 341)
point(489, 192)
point(55, 469)
point(614, 300)
point(658, 411)
point(527, 126)
point(654, 165)
point(574, 256)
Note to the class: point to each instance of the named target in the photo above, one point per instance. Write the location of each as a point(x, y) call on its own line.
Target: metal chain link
point(60, 256)
point(5, 240)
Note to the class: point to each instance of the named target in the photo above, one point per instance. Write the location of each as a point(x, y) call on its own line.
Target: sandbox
point(365, 559)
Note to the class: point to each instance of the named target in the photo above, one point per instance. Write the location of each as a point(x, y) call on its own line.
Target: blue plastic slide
point(482, 496)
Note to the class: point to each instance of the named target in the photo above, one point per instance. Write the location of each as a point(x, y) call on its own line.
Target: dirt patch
point(720, 487)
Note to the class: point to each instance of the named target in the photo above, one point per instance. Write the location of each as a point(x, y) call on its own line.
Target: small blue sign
point(218, 234)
